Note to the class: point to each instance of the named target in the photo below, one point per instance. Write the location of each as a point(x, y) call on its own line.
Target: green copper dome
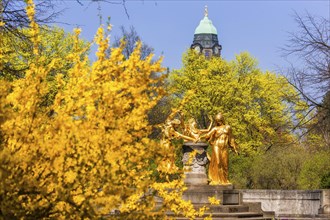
point(206, 27)
point(206, 38)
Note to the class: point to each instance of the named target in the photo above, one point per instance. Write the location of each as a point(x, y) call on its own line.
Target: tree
point(158, 113)
point(323, 119)
point(16, 38)
point(278, 168)
point(317, 137)
point(13, 15)
point(311, 45)
point(91, 155)
point(54, 44)
point(315, 172)
point(260, 106)
point(131, 39)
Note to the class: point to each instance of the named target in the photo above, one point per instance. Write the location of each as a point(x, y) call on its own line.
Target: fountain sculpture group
point(214, 183)
point(195, 157)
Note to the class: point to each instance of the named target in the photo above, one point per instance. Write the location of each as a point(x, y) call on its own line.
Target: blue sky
point(259, 27)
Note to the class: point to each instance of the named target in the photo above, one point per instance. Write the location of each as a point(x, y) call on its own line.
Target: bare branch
point(118, 2)
point(311, 45)
point(79, 2)
point(131, 37)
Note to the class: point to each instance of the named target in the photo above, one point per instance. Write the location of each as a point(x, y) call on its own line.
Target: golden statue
point(169, 132)
point(220, 138)
point(193, 131)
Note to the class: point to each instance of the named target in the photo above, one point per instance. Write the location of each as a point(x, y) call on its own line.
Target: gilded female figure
point(220, 138)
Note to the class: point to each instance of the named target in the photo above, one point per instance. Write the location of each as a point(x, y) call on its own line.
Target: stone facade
point(286, 203)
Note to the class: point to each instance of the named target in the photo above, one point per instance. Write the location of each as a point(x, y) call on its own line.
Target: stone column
point(325, 202)
point(194, 166)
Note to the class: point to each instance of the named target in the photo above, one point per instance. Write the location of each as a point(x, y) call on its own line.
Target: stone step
point(221, 218)
point(224, 208)
point(306, 217)
point(229, 218)
point(303, 218)
point(221, 215)
point(236, 214)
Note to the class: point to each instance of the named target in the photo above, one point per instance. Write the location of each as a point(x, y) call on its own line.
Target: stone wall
point(290, 202)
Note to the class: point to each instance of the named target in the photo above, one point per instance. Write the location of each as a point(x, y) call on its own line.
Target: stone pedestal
point(199, 194)
point(198, 191)
point(195, 160)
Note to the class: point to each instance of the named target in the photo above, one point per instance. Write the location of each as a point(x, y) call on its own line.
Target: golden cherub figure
point(170, 132)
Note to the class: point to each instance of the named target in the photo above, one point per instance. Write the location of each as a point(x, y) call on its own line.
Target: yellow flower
point(214, 201)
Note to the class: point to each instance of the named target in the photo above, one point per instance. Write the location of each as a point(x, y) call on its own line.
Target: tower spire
point(206, 38)
point(206, 12)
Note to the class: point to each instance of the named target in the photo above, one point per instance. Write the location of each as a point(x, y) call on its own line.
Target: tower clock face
point(216, 50)
point(197, 49)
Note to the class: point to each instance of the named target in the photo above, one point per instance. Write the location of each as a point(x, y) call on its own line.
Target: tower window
point(207, 53)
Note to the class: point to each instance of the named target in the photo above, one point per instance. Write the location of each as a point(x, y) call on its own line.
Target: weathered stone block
point(286, 203)
point(195, 160)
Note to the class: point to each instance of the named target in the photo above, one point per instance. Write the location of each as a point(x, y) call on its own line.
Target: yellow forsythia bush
point(87, 154)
